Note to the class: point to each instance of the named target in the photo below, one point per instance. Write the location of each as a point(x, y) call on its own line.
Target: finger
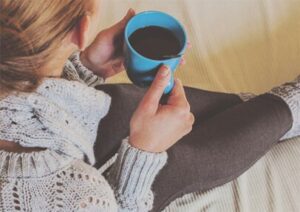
point(119, 27)
point(192, 118)
point(189, 45)
point(150, 101)
point(177, 96)
point(191, 121)
point(182, 61)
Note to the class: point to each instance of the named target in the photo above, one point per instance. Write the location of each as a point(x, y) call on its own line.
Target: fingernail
point(164, 71)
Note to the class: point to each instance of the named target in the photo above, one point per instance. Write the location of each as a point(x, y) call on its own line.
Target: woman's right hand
point(155, 127)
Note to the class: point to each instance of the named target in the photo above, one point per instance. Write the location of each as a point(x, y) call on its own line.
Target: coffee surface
point(155, 42)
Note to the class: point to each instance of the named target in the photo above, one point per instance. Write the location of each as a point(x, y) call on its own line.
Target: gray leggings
point(228, 137)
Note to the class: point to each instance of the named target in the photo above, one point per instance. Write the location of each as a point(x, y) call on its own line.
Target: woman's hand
point(155, 127)
point(105, 55)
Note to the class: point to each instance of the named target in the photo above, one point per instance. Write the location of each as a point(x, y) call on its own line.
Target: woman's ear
point(80, 34)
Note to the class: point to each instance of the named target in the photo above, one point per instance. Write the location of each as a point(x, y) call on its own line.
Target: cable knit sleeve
point(75, 70)
point(132, 175)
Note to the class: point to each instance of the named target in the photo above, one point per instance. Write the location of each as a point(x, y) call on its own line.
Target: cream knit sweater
point(63, 116)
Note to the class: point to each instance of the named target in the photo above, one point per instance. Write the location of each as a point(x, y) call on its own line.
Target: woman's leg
point(229, 137)
point(227, 144)
point(125, 98)
point(222, 148)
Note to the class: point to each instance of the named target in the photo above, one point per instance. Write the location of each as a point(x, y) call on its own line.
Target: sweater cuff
point(133, 173)
point(75, 70)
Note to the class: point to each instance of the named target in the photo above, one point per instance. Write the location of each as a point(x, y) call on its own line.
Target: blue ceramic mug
point(141, 70)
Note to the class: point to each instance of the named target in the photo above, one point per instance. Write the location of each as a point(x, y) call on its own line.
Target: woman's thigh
point(125, 98)
point(228, 137)
point(222, 147)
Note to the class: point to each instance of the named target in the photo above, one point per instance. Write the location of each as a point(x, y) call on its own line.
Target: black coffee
point(155, 42)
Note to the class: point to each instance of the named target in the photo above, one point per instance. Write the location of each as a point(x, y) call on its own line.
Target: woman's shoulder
point(49, 179)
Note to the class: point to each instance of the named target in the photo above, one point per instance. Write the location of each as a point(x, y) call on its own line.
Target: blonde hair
point(30, 33)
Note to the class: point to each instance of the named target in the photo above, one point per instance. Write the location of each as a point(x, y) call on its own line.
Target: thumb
point(150, 101)
point(119, 27)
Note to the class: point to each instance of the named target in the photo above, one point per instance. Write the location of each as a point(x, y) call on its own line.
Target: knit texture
point(246, 96)
point(48, 181)
point(63, 117)
point(75, 70)
point(125, 180)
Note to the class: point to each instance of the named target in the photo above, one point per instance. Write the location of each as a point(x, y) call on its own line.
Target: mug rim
point(159, 12)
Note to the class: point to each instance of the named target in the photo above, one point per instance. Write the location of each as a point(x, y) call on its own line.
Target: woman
point(50, 113)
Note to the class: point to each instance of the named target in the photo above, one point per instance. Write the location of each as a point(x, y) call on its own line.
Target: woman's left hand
point(105, 54)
